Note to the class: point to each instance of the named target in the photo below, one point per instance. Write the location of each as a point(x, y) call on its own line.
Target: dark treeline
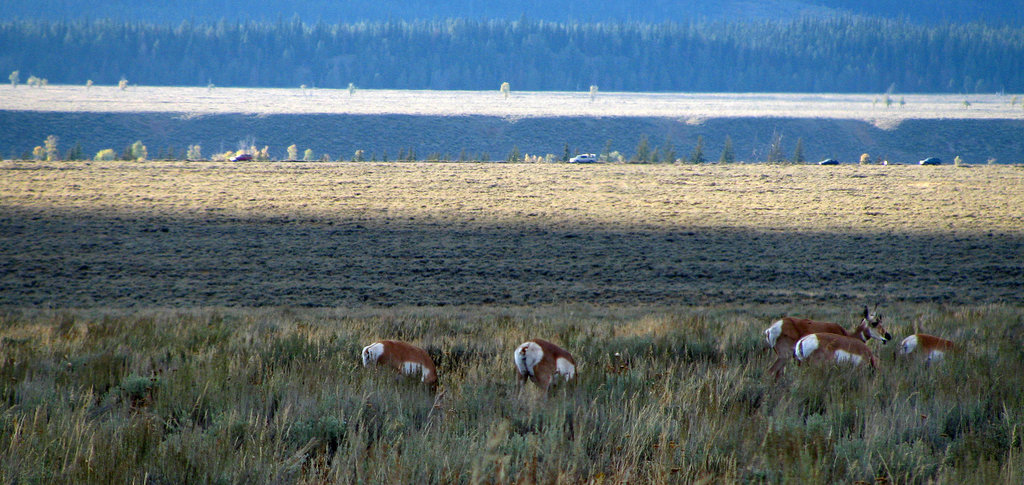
point(930, 12)
point(838, 54)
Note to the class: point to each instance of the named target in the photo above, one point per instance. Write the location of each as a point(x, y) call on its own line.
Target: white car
point(584, 158)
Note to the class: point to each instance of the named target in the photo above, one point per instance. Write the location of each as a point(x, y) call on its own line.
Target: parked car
point(584, 158)
point(245, 157)
point(930, 161)
point(829, 161)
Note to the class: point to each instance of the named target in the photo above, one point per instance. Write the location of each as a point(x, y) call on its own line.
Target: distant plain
point(482, 125)
point(351, 234)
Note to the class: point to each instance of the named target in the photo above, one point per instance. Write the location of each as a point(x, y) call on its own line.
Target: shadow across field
point(83, 258)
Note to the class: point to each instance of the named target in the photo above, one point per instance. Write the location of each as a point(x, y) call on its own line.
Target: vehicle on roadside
point(245, 157)
point(584, 158)
point(829, 161)
point(930, 161)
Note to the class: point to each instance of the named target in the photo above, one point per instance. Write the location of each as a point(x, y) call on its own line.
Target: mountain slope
point(333, 11)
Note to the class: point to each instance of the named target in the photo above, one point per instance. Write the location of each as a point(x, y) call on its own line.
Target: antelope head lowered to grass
point(783, 335)
point(830, 347)
point(402, 357)
point(932, 348)
point(541, 361)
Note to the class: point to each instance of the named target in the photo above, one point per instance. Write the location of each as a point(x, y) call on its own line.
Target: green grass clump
point(663, 395)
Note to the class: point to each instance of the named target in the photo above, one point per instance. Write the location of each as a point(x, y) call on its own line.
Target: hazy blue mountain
point(1002, 12)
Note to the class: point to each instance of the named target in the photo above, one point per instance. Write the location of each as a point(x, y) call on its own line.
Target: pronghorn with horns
point(783, 335)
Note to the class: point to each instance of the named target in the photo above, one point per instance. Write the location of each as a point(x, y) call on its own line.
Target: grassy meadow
point(278, 395)
point(171, 322)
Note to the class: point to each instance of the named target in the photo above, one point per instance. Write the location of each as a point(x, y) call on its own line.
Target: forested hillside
point(932, 12)
point(835, 54)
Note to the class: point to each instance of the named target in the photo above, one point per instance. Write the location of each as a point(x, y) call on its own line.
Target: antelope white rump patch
point(565, 368)
point(771, 334)
point(908, 345)
point(527, 356)
point(372, 352)
point(805, 347)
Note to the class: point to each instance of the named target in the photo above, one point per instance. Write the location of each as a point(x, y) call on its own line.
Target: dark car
point(829, 161)
point(245, 157)
point(930, 161)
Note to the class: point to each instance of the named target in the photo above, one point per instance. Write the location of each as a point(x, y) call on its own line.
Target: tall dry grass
point(664, 394)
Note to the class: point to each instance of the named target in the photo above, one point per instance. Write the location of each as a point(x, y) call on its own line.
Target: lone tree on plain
point(865, 159)
point(122, 84)
point(14, 77)
point(798, 152)
point(668, 152)
point(195, 152)
point(643, 151)
point(308, 155)
point(727, 153)
point(775, 151)
point(51, 149)
point(593, 92)
point(506, 89)
point(698, 151)
point(293, 152)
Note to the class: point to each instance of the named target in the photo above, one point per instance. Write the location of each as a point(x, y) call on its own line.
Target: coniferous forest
point(824, 54)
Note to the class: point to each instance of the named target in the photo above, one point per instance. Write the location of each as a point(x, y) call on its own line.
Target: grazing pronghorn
point(931, 347)
point(402, 357)
point(830, 347)
point(540, 361)
point(783, 335)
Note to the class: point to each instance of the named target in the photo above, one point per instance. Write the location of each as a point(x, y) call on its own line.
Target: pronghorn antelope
point(783, 335)
point(931, 347)
point(540, 361)
point(402, 357)
point(830, 347)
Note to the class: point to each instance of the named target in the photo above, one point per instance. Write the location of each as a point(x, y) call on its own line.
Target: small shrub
point(195, 152)
point(139, 151)
point(138, 390)
point(105, 155)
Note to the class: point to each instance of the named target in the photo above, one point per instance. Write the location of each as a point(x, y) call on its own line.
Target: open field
point(252, 234)
point(483, 125)
point(693, 106)
point(154, 328)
